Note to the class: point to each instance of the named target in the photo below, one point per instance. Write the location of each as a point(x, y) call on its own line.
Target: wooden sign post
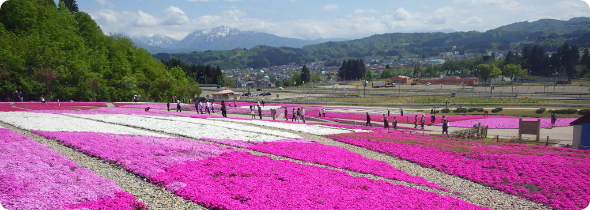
point(529, 127)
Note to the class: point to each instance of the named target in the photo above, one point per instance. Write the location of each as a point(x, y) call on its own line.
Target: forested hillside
point(548, 34)
point(60, 52)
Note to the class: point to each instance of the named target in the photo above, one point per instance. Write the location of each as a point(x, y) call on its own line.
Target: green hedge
point(565, 111)
point(583, 111)
point(460, 110)
point(496, 110)
point(445, 110)
point(471, 110)
point(540, 111)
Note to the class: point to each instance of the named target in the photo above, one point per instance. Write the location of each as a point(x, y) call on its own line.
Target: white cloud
point(175, 15)
point(474, 20)
point(330, 7)
point(401, 14)
point(366, 11)
point(2, 2)
point(105, 3)
point(587, 2)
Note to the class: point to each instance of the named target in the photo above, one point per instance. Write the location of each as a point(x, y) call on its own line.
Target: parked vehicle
point(377, 84)
point(428, 84)
point(267, 93)
point(413, 83)
point(280, 88)
point(258, 89)
point(246, 94)
point(254, 94)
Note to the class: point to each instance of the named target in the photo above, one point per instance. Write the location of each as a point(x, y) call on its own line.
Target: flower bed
point(190, 130)
point(510, 122)
point(8, 108)
point(55, 122)
point(299, 127)
point(41, 106)
point(555, 176)
point(329, 155)
point(36, 177)
point(408, 118)
point(240, 180)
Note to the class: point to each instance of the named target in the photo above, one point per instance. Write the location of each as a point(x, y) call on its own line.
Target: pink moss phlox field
point(35, 177)
point(8, 108)
point(41, 106)
point(337, 157)
point(559, 177)
point(408, 118)
point(144, 155)
point(362, 124)
point(96, 104)
point(122, 200)
point(220, 178)
point(240, 180)
point(510, 122)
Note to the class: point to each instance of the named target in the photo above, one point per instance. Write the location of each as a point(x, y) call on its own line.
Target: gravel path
point(156, 197)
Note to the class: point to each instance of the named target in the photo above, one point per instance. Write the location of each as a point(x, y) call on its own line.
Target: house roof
point(582, 120)
point(223, 92)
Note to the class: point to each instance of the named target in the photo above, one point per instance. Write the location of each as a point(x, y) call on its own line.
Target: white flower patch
point(233, 126)
point(55, 122)
point(304, 128)
point(186, 129)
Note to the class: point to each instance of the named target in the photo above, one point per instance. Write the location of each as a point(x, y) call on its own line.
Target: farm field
point(95, 157)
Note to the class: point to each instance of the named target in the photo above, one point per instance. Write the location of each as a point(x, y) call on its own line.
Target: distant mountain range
point(547, 33)
point(220, 38)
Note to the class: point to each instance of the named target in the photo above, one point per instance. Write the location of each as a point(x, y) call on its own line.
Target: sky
point(311, 19)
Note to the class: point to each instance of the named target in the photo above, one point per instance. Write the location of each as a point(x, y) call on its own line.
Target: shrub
point(479, 109)
point(471, 110)
point(445, 110)
point(565, 111)
point(499, 108)
point(583, 111)
point(540, 111)
point(496, 110)
point(460, 110)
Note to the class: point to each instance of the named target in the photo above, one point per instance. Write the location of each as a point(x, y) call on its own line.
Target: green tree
point(495, 71)
point(369, 76)
point(305, 74)
point(71, 5)
point(511, 70)
point(484, 71)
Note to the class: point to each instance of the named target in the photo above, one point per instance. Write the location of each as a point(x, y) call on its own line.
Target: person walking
point(22, 97)
point(286, 114)
point(262, 103)
point(553, 119)
point(213, 108)
point(422, 121)
point(394, 123)
point(168, 105)
point(178, 106)
point(260, 112)
point(324, 112)
point(298, 114)
point(385, 122)
point(388, 112)
point(273, 112)
point(294, 115)
point(303, 114)
point(401, 111)
point(223, 109)
point(415, 121)
point(42, 99)
point(253, 116)
point(445, 125)
point(258, 102)
point(235, 104)
point(432, 118)
point(368, 120)
point(16, 96)
point(207, 107)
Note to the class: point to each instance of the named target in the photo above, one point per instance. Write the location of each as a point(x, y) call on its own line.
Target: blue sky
point(310, 19)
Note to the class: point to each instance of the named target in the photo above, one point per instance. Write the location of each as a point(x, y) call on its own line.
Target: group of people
point(296, 115)
point(252, 111)
point(18, 96)
point(445, 125)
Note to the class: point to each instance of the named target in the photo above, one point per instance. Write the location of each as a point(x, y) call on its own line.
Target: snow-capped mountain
point(157, 40)
point(227, 38)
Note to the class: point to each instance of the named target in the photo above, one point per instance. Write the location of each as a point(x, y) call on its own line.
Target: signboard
point(529, 127)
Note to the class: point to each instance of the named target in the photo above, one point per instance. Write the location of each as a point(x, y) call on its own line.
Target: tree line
point(61, 53)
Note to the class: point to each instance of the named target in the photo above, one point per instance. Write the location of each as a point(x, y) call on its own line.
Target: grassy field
point(451, 100)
